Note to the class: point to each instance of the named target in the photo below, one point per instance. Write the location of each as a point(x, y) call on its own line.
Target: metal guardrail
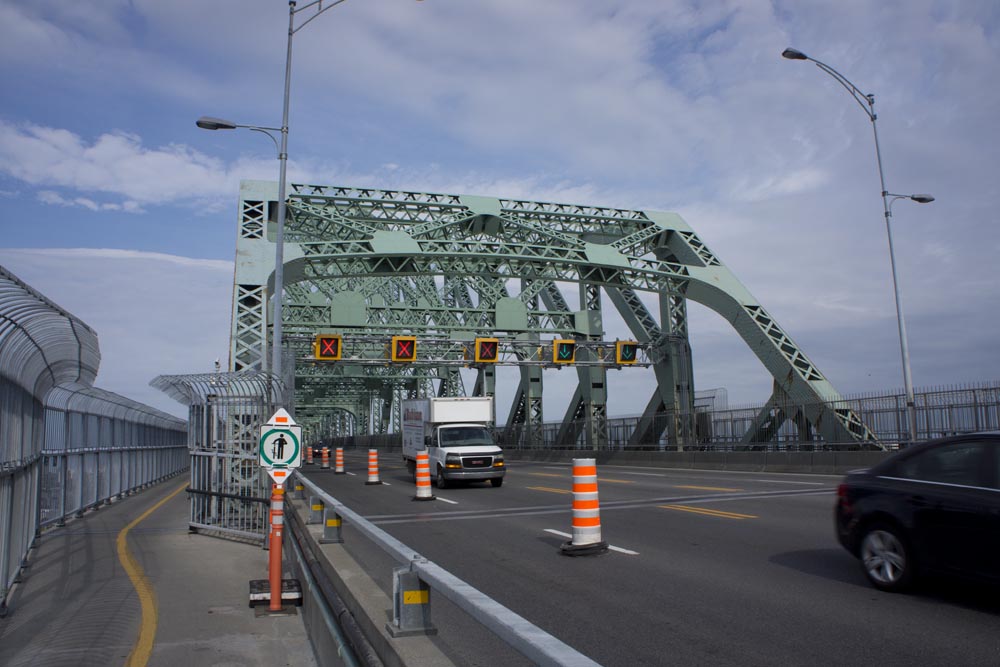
point(520, 634)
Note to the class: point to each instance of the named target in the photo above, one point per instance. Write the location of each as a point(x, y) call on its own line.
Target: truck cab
point(467, 452)
point(457, 433)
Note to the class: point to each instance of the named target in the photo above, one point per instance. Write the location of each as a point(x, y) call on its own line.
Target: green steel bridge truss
point(373, 263)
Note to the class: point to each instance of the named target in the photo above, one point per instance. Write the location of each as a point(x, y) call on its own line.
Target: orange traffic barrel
point(586, 512)
point(373, 467)
point(423, 477)
point(339, 462)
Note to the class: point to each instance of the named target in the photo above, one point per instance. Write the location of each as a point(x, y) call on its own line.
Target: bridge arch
point(380, 261)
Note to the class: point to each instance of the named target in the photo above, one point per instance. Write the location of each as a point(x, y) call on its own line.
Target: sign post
point(280, 452)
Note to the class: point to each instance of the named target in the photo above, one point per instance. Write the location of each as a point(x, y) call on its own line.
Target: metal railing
point(229, 489)
point(65, 446)
point(940, 412)
point(523, 636)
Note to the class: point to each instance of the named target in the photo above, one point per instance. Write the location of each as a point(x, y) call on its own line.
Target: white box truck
point(458, 436)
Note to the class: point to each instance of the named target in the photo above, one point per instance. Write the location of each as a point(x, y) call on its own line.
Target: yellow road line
point(708, 512)
point(550, 490)
point(600, 480)
point(707, 488)
point(147, 596)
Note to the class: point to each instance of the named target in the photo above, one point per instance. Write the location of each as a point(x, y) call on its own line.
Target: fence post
point(411, 605)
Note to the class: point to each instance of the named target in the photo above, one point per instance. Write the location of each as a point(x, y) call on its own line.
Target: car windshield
point(461, 436)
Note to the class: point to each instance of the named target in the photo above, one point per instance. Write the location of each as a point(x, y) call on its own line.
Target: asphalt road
point(706, 567)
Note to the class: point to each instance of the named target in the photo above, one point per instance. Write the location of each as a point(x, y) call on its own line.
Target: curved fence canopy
point(76, 397)
point(194, 389)
point(41, 344)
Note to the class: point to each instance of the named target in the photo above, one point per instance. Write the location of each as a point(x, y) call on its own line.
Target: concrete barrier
point(361, 597)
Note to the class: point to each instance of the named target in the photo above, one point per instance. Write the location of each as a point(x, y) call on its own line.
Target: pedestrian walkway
point(77, 604)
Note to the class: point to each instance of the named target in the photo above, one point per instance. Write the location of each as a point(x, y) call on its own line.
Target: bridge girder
point(368, 260)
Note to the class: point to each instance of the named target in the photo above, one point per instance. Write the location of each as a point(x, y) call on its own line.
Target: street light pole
point(279, 242)
point(868, 99)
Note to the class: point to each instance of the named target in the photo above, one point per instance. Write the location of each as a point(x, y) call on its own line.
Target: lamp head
point(794, 54)
point(922, 199)
point(209, 123)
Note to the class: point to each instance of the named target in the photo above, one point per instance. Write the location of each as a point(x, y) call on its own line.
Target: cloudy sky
point(119, 209)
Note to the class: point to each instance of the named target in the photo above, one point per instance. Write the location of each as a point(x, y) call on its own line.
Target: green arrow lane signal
point(626, 352)
point(563, 351)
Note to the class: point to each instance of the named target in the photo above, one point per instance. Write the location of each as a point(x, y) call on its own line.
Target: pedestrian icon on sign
point(278, 447)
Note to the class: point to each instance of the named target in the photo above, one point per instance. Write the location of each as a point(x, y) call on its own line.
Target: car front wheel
point(887, 559)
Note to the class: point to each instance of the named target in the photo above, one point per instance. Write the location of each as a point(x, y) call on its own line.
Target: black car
point(931, 507)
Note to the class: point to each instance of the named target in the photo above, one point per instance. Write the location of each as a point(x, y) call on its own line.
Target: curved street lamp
point(867, 104)
point(209, 123)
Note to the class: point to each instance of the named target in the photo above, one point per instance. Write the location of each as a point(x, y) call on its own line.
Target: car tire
point(411, 468)
point(496, 481)
point(887, 558)
point(441, 482)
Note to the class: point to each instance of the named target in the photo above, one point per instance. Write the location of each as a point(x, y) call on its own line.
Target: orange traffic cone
point(339, 462)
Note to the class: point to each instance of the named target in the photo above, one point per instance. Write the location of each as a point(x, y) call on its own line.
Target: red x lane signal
point(326, 347)
point(404, 348)
point(487, 350)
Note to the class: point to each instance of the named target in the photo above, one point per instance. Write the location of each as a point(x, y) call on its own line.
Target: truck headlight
point(452, 461)
point(498, 461)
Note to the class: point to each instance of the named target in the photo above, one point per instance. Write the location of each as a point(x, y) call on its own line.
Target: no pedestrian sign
point(280, 443)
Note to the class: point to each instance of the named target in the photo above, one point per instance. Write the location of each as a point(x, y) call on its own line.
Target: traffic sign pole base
point(592, 549)
point(260, 594)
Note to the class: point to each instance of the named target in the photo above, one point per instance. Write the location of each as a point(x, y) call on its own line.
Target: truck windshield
point(461, 436)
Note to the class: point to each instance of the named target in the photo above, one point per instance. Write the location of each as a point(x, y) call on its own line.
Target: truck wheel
point(411, 468)
point(442, 483)
point(496, 481)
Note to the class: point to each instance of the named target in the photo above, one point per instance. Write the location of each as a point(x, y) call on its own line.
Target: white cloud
point(115, 163)
point(54, 198)
point(154, 314)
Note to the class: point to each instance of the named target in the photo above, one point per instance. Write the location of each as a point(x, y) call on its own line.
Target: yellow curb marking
point(550, 490)
point(147, 596)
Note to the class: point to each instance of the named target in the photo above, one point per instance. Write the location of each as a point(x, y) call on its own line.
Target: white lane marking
point(612, 548)
point(445, 500)
point(353, 474)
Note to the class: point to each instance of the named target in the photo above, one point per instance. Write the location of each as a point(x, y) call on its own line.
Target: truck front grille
point(477, 461)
